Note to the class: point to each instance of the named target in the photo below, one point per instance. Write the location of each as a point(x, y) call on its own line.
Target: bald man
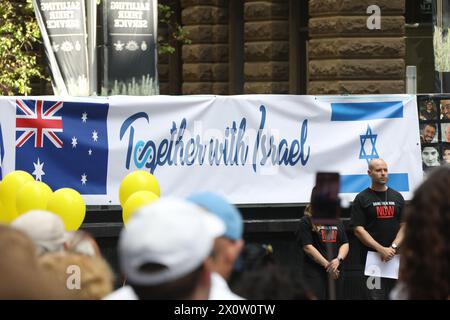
point(376, 217)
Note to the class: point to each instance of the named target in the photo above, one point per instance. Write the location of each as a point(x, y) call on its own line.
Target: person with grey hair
point(445, 109)
point(46, 229)
point(445, 130)
point(48, 233)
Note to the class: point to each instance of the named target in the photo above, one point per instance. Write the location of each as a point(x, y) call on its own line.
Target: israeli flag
point(367, 128)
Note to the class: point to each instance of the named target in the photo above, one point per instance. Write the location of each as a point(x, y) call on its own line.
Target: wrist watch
point(394, 246)
point(340, 259)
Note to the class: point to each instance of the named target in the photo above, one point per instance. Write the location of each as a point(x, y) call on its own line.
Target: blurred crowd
point(194, 248)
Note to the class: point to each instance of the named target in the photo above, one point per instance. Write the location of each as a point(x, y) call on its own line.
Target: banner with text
point(254, 149)
point(63, 28)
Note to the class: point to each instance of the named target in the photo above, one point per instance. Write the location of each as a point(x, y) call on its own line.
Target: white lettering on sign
point(63, 24)
point(54, 15)
point(130, 6)
point(59, 6)
point(62, 15)
point(118, 23)
point(130, 15)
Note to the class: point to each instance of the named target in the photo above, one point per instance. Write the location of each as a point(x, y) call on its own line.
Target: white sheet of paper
point(377, 268)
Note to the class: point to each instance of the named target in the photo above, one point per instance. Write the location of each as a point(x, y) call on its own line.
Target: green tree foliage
point(18, 34)
point(176, 32)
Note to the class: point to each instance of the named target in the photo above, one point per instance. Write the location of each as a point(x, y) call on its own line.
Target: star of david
point(372, 138)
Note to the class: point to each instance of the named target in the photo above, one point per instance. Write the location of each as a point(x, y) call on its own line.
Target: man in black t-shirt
point(376, 217)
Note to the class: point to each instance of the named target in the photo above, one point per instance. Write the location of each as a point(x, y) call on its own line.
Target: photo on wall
point(434, 126)
point(428, 110)
point(445, 109)
point(428, 133)
point(446, 153)
point(430, 157)
point(445, 132)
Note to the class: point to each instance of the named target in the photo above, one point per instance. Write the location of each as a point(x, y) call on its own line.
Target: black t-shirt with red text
point(332, 236)
point(380, 213)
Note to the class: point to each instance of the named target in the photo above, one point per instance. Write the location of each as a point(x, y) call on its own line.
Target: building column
point(205, 60)
point(266, 48)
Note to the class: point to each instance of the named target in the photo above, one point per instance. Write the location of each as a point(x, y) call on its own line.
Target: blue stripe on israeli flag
point(357, 182)
point(366, 111)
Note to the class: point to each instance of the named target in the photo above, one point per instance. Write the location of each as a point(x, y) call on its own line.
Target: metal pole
point(411, 79)
point(331, 281)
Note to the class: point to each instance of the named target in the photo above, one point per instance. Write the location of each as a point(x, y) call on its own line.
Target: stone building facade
point(287, 46)
point(345, 56)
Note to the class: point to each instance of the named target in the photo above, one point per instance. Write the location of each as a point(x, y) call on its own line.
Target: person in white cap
point(164, 251)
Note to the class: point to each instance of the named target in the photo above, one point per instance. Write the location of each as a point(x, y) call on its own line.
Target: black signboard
point(130, 48)
point(418, 11)
point(63, 27)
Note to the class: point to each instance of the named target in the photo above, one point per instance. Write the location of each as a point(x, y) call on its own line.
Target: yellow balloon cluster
point(135, 201)
point(136, 190)
point(3, 217)
point(33, 195)
point(20, 193)
point(69, 205)
point(9, 188)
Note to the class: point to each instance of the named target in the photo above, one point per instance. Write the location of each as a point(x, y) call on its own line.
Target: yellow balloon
point(139, 180)
point(3, 217)
point(11, 185)
point(135, 201)
point(69, 205)
point(33, 195)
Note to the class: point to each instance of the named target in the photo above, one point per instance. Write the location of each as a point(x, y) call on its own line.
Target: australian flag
point(64, 144)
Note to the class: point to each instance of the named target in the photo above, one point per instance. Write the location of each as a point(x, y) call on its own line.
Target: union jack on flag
point(38, 123)
point(64, 144)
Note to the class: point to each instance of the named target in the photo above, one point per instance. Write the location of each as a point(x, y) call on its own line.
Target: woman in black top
point(318, 264)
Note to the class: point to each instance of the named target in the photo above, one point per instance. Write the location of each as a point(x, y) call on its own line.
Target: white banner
point(254, 149)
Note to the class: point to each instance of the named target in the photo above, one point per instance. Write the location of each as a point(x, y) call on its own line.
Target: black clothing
point(380, 213)
point(381, 293)
point(332, 236)
point(428, 115)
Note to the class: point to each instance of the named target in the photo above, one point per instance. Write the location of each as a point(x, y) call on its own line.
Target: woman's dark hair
point(178, 289)
point(259, 276)
point(255, 256)
point(425, 249)
point(272, 282)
